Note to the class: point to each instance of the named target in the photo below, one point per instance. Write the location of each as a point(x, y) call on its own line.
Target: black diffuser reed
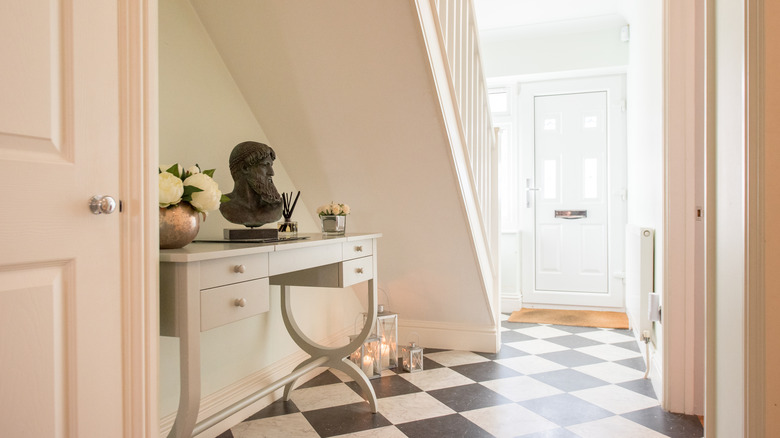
point(288, 205)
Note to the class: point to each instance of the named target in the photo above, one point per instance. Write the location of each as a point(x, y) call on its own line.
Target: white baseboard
point(449, 335)
point(511, 303)
point(214, 403)
point(567, 307)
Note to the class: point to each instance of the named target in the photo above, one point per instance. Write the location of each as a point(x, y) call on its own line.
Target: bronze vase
point(179, 225)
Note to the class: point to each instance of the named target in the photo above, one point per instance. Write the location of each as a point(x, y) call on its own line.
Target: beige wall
point(202, 116)
point(772, 205)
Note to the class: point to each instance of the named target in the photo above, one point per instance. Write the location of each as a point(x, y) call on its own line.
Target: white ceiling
point(497, 14)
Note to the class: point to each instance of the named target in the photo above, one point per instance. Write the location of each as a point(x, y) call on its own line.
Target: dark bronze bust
point(254, 200)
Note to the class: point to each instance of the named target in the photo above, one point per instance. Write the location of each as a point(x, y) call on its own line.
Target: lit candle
point(368, 366)
point(385, 356)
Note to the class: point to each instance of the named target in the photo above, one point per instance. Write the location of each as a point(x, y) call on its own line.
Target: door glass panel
point(590, 188)
point(590, 121)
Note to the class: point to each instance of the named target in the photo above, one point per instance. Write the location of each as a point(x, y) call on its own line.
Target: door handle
point(571, 214)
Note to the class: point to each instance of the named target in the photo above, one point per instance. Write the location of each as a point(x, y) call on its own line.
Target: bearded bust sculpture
point(254, 200)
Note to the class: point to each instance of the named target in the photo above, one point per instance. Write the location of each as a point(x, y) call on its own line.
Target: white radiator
point(639, 276)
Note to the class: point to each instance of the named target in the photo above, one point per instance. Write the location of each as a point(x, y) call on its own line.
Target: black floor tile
point(642, 386)
point(279, 407)
point(388, 386)
point(468, 397)
point(429, 364)
point(569, 380)
point(573, 341)
point(443, 427)
point(565, 409)
point(637, 363)
point(324, 378)
point(672, 425)
point(513, 336)
point(505, 352)
point(574, 328)
point(226, 434)
point(570, 358)
point(630, 345)
point(343, 419)
point(482, 371)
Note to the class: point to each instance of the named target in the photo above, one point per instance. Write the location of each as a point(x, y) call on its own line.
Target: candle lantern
point(387, 332)
point(412, 355)
point(368, 357)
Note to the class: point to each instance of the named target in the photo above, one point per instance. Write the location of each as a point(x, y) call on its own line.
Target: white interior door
point(575, 177)
point(60, 299)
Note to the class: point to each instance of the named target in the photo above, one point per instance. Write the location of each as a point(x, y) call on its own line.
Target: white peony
point(193, 170)
point(171, 189)
point(344, 209)
point(209, 198)
point(335, 209)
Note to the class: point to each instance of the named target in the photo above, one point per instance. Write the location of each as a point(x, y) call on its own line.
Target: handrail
point(451, 38)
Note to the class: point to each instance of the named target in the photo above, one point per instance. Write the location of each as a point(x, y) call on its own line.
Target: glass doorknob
point(100, 204)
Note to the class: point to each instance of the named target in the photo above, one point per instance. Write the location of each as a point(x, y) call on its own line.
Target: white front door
point(574, 179)
point(61, 342)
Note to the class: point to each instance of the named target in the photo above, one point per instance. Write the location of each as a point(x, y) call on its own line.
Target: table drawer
point(219, 272)
point(357, 249)
point(356, 271)
point(222, 305)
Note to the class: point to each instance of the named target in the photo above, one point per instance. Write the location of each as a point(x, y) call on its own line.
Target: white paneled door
point(574, 179)
point(61, 346)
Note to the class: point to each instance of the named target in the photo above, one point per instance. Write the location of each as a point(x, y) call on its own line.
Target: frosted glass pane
point(550, 124)
point(499, 101)
point(550, 179)
point(590, 179)
point(590, 121)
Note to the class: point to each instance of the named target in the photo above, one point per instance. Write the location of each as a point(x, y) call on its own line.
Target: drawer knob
point(359, 270)
point(240, 269)
point(240, 302)
point(358, 248)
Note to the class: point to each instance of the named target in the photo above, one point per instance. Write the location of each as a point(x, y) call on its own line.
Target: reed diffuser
point(288, 227)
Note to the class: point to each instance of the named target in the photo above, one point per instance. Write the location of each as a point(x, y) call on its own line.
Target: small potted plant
point(183, 195)
point(333, 218)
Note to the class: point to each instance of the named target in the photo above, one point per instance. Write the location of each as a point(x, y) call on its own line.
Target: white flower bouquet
point(333, 209)
point(192, 186)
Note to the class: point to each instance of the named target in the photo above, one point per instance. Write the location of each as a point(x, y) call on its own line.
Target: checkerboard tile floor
point(547, 381)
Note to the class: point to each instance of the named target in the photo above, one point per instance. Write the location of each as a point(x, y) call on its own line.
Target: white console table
point(206, 285)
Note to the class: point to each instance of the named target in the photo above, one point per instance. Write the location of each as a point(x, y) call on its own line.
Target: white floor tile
point(542, 331)
point(325, 396)
point(437, 378)
point(530, 364)
point(381, 432)
point(616, 399)
point(508, 420)
point(412, 407)
point(291, 425)
point(521, 388)
point(609, 352)
point(613, 427)
point(455, 358)
point(607, 336)
point(537, 346)
point(611, 372)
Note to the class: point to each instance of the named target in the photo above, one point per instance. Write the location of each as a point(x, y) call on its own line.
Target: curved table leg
point(336, 356)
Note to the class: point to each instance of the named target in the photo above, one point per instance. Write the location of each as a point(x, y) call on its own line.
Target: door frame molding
point(566, 85)
point(139, 244)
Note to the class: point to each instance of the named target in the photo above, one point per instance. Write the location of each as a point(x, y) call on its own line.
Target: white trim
point(499, 81)
point(511, 302)
point(237, 391)
point(137, 66)
point(449, 335)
